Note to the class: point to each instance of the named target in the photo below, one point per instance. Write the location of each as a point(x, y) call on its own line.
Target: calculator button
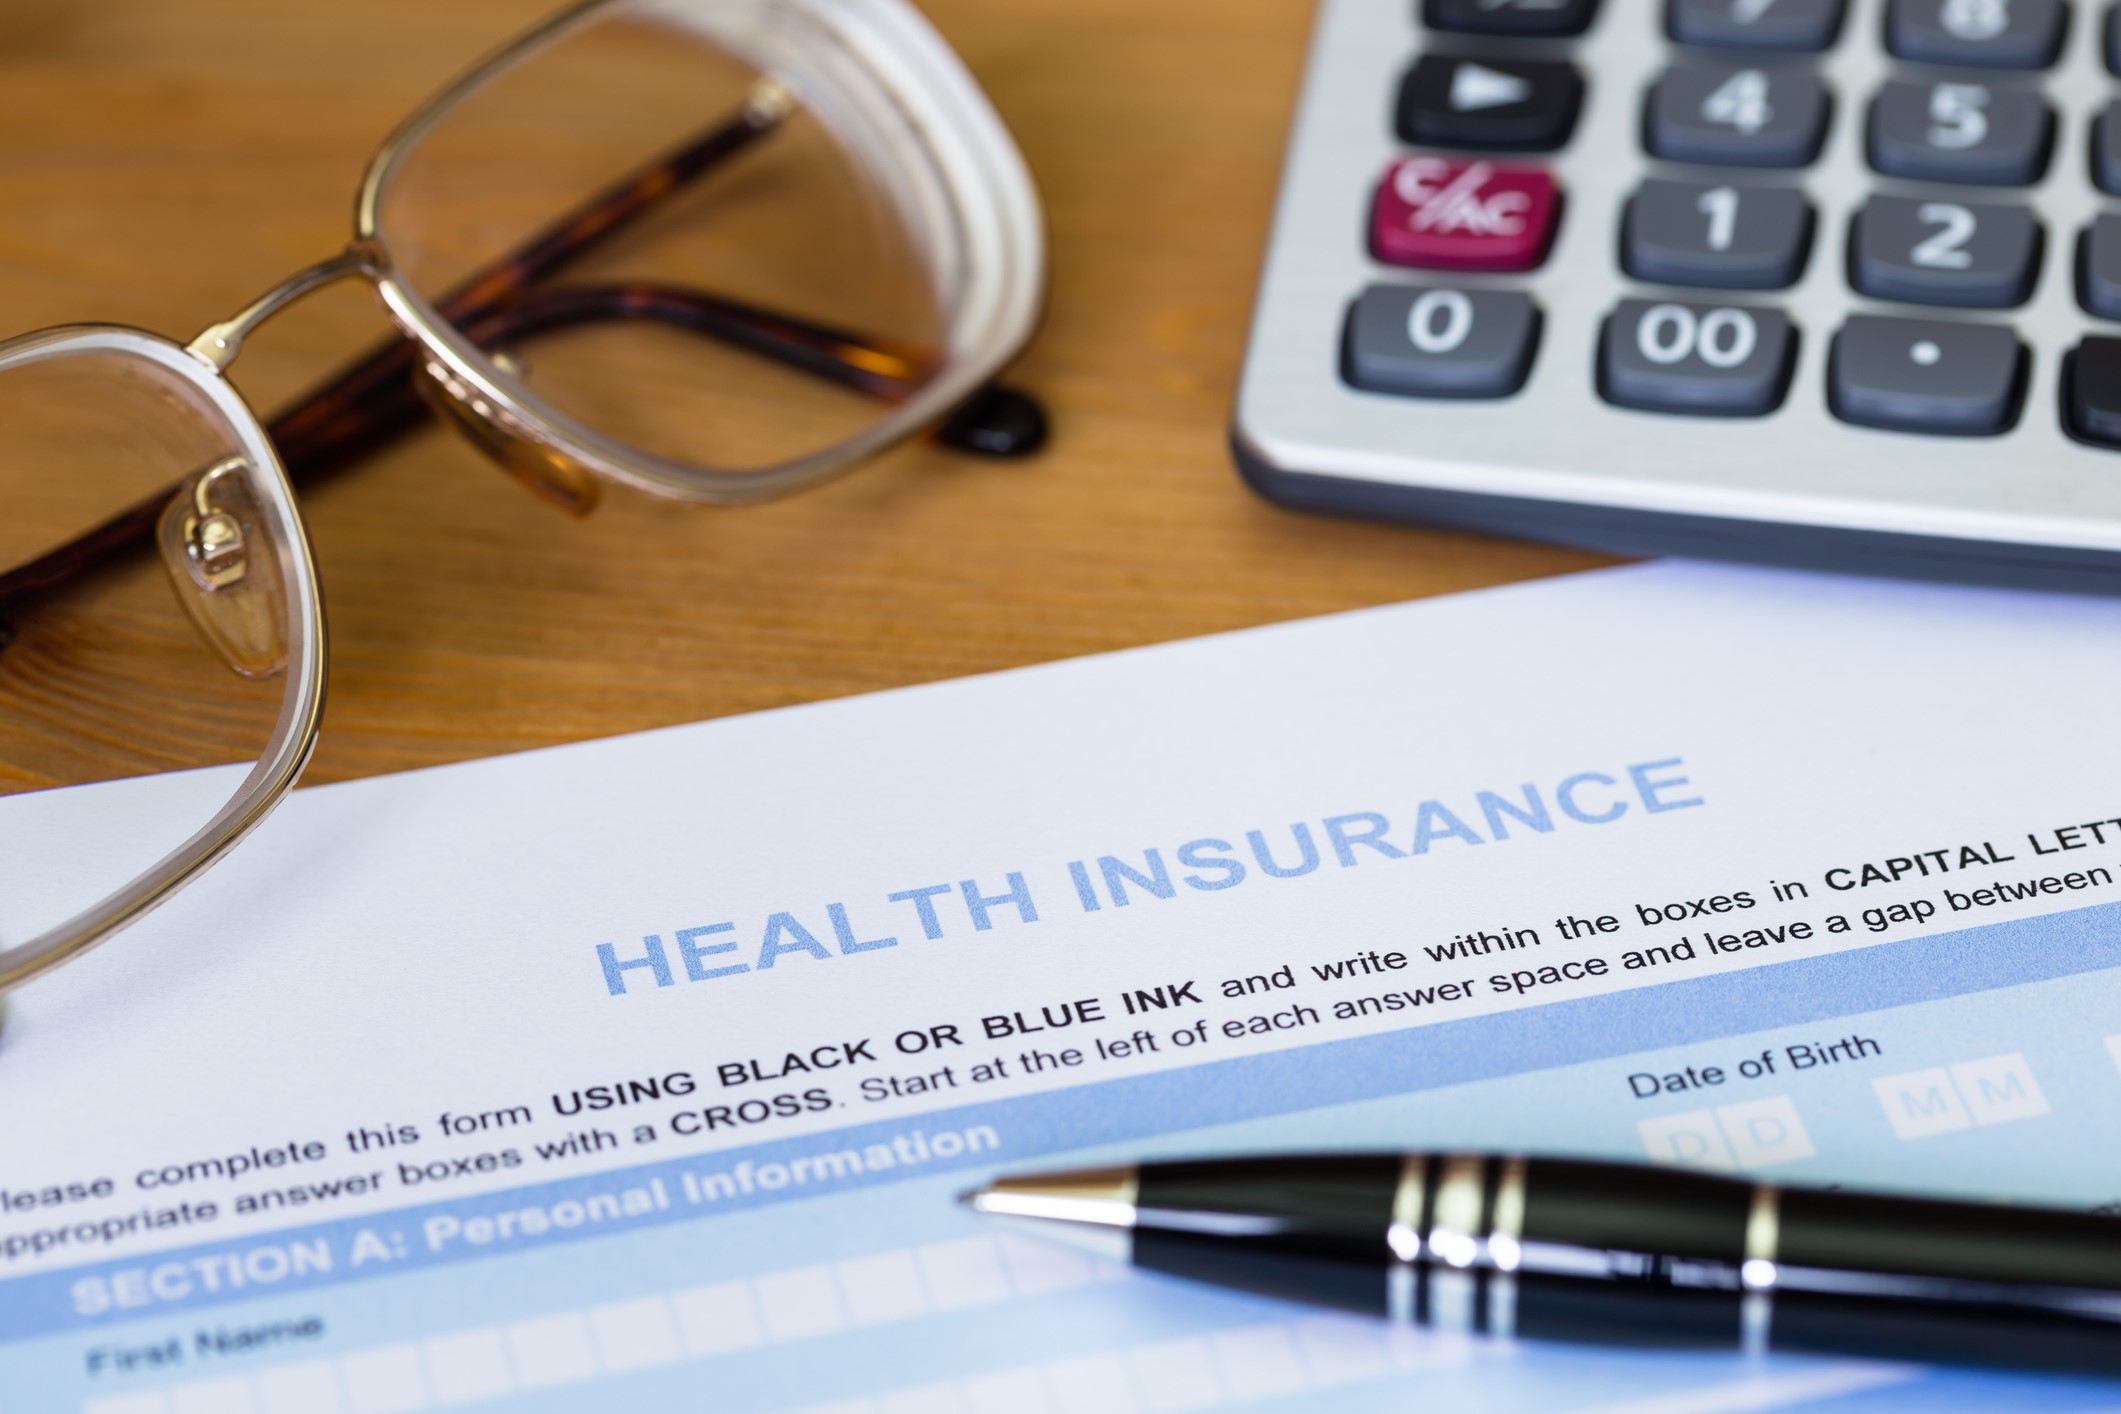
point(1988, 34)
point(2106, 149)
point(1765, 117)
point(1789, 25)
point(1515, 105)
point(1717, 234)
point(2099, 267)
point(1718, 360)
point(1970, 254)
point(1441, 214)
point(1439, 342)
point(1511, 17)
point(2092, 391)
point(2110, 34)
point(1961, 132)
point(1926, 375)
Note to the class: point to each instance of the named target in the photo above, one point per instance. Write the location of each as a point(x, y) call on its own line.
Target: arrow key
point(1516, 105)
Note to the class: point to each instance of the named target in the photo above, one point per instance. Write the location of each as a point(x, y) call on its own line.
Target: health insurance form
point(640, 1074)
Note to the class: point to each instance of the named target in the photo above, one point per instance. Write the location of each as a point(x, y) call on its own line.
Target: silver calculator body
point(1558, 459)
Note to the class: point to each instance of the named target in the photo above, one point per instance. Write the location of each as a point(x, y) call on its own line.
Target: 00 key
point(1681, 357)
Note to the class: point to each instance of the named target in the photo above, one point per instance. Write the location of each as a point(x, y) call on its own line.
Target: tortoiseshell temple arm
point(374, 401)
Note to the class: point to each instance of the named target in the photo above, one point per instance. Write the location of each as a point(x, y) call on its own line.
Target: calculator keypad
point(2106, 147)
point(1496, 105)
point(1954, 131)
point(1988, 34)
point(1737, 117)
point(1731, 126)
point(1436, 341)
point(1719, 235)
point(1926, 375)
point(1974, 255)
point(1686, 356)
point(2092, 410)
point(1789, 26)
point(1531, 18)
point(2099, 267)
point(1435, 213)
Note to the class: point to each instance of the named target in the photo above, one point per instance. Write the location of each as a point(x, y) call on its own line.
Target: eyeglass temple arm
point(373, 401)
point(356, 403)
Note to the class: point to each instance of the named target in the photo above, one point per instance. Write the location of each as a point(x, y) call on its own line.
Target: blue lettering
point(1435, 822)
point(615, 971)
point(1565, 796)
point(784, 924)
point(844, 931)
point(1652, 791)
point(1194, 855)
point(923, 901)
point(1374, 836)
point(1083, 891)
point(1157, 881)
point(1533, 812)
point(1304, 846)
point(691, 952)
point(1019, 894)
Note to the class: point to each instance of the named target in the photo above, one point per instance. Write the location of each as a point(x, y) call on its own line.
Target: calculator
point(1833, 283)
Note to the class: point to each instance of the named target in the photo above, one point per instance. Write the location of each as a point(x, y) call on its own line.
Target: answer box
point(1006, 1392)
point(634, 1335)
point(1943, 1099)
point(719, 1318)
point(925, 1399)
point(300, 1387)
point(1036, 1268)
point(229, 1394)
point(1765, 1132)
point(1260, 1360)
point(145, 1402)
point(1175, 1375)
point(1693, 1139)
point(1999, 1089)
point(467, 1365)
point(1921, 1103)
point(880, 1288)
point(551, 1350)
point(799, 1302)
point(962, 1273)
point(1339, 1350)
point(384, 1379)
point(1091, 1384)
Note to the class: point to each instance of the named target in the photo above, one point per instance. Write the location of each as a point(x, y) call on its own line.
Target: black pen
point(1564, 1249)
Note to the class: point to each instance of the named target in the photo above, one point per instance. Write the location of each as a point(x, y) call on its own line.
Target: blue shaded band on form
point(1864, 979)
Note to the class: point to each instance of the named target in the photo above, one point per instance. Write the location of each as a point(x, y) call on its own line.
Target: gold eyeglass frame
point(873, 71)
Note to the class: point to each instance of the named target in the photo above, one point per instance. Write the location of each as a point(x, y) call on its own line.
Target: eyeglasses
point(856, 280)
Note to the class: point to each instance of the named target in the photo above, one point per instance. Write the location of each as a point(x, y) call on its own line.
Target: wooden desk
point(160, 163)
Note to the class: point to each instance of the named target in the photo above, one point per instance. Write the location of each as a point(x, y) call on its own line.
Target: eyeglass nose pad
point(224, 562)
point(554, 477)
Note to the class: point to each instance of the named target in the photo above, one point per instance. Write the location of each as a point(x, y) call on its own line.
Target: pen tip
point(1100, 1196)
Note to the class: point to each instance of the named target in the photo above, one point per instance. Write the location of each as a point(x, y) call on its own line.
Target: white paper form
point(640, 1073)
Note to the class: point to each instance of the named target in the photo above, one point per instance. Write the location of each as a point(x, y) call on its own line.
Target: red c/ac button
point(1439, 214)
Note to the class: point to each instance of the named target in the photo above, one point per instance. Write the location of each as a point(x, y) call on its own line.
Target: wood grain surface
point(162, 161)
